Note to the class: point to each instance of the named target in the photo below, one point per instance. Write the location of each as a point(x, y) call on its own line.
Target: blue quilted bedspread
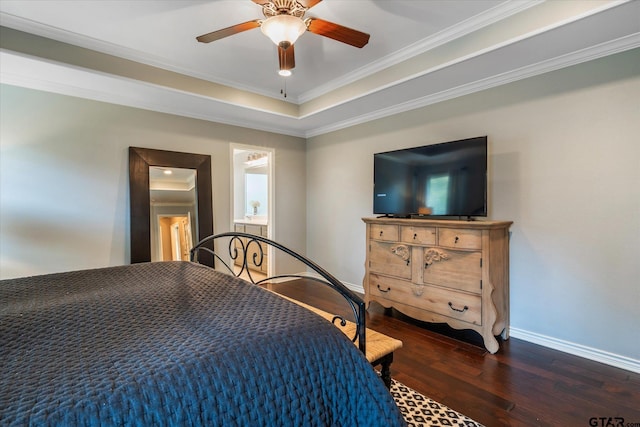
point(174, 344)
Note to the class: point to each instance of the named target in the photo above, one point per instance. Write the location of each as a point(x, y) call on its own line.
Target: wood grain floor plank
point(523, 384)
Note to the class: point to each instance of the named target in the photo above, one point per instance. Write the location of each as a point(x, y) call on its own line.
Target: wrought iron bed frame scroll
point(239, 249)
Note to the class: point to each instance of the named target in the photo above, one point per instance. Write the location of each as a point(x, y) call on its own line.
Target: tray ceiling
point(144, 54)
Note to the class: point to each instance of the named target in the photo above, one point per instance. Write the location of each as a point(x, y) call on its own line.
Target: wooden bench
point(379, 347)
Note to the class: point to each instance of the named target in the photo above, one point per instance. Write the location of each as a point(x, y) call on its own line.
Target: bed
point(180, 343)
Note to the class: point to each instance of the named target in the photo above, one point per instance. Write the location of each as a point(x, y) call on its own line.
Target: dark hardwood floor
point(523, 384)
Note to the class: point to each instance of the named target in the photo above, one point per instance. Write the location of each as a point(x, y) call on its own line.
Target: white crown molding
point(486, 18)
point(124, 96)
point(488, 49)
point(82, 83)
point(80, 40)
point(38, 73)
point(468, 26)
point(580, 350)
point(574, 58)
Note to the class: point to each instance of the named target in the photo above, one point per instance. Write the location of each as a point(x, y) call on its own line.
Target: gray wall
point(564, 166)
point(64, 190)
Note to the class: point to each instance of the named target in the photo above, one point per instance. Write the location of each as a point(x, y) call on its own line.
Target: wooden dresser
point(442, 271)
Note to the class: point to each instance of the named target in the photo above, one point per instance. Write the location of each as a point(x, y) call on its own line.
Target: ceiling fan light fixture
point(283, 30)
point(285, 73)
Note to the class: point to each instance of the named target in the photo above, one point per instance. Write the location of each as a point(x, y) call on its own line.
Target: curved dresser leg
point(491, 343)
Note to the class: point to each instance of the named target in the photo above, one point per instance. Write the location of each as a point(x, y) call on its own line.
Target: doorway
point(252, 189)
point(175, 239)
point(173, 212)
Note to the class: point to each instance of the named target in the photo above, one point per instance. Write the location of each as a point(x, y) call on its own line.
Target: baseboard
point(580, 350)
point(590, 353)
point(355, 288)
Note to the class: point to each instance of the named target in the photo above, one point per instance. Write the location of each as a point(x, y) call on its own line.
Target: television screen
point(447, 179)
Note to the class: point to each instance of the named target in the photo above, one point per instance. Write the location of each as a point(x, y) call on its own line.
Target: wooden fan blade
point(286, 58)
point(338, 32)
point(226, 32)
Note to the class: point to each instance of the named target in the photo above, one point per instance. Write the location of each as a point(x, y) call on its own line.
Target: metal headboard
point(240, 245)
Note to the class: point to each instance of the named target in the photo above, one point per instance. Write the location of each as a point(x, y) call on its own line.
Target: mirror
point(174, 217)
point(142, 161)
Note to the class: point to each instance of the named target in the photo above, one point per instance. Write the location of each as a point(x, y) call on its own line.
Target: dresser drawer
point(390, 258)
point(384, 232)
point(418, 235)
point(460, 238)
point(460, 270)
point(457, 305)
point(388, 287)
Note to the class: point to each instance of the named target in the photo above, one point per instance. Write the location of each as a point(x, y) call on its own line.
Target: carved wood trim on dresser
point(442, 271)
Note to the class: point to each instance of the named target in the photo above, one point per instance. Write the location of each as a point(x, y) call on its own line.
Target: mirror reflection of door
point(253, 208)
point(175, 237)
point(173, 212)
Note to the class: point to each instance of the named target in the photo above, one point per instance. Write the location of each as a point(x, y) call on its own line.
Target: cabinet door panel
point(387, 287)
point(453, 269)
point(390, 258)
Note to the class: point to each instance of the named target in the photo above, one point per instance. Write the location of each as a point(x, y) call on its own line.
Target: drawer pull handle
point(457, 238)
point(381, 233)
point(415, 236)
point(457, 309)
point(382, 290)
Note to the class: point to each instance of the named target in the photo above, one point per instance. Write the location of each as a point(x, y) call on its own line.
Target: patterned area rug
point(418, 410)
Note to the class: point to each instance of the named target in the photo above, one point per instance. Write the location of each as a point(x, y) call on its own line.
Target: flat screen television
point(441, 180)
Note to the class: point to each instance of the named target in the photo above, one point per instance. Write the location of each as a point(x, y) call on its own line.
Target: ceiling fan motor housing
point(284, 23)
point(283, 7)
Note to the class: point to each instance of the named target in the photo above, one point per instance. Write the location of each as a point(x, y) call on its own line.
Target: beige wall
point(64, 198)
point(564, 166)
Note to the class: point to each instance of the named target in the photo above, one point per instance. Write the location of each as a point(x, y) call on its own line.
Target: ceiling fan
point(284, 23)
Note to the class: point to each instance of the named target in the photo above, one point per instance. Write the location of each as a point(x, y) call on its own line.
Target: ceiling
point(144, 54)
point(172, 185)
